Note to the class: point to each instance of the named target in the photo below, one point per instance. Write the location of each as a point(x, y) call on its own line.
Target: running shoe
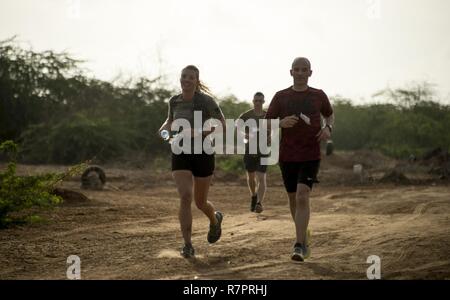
point(215, 231)
point(253, 203)
point(188, 251)
point(302, 251)
point(259, 208)
point(299, 252)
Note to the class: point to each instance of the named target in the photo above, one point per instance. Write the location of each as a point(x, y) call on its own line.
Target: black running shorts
point(201, 165)
point(253, 164)
point(299, 172)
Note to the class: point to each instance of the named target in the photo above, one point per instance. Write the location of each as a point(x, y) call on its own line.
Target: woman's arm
point(165, 126)
point(168, 123)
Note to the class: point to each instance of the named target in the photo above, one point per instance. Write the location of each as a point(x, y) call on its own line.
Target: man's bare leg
point(302, 212)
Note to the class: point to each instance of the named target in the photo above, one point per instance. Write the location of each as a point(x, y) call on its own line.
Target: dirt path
point(134, 234)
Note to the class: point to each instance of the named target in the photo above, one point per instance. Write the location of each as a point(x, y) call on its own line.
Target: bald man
point(300, 109)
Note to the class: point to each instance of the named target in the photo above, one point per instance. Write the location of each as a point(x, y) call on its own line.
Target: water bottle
point(165, 135)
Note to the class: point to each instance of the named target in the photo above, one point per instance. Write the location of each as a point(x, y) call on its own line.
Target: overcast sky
point(356, 47)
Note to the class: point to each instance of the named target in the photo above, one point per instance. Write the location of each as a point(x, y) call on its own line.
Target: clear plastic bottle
point(165, 134)
point(169, 137)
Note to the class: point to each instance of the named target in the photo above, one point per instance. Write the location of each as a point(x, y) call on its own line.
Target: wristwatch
point(329, 127)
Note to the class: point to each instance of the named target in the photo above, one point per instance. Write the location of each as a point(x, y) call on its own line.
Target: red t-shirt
point(299, 143)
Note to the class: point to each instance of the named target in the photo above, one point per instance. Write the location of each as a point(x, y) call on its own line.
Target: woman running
point(193, 172)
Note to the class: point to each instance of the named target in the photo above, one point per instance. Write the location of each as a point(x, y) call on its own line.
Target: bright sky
point(356, 47)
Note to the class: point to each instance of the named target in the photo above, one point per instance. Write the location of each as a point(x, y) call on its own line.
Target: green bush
point(19, 193)
point(397, 130)
point(74, 140)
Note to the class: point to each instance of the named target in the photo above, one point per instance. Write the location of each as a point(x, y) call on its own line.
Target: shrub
point(18, 193)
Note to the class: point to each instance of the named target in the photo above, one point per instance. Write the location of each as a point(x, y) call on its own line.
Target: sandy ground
point(131, 231)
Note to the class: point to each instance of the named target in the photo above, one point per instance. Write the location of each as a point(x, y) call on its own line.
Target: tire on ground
point(93, 178)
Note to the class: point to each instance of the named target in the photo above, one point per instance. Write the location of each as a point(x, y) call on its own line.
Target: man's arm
point(241, 117)
point(326, 110)
point(329, 120)
point(325, 133)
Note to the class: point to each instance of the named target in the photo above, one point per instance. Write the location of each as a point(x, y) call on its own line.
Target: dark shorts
point(201, 165)
point(253, 164)
point(299, 172)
